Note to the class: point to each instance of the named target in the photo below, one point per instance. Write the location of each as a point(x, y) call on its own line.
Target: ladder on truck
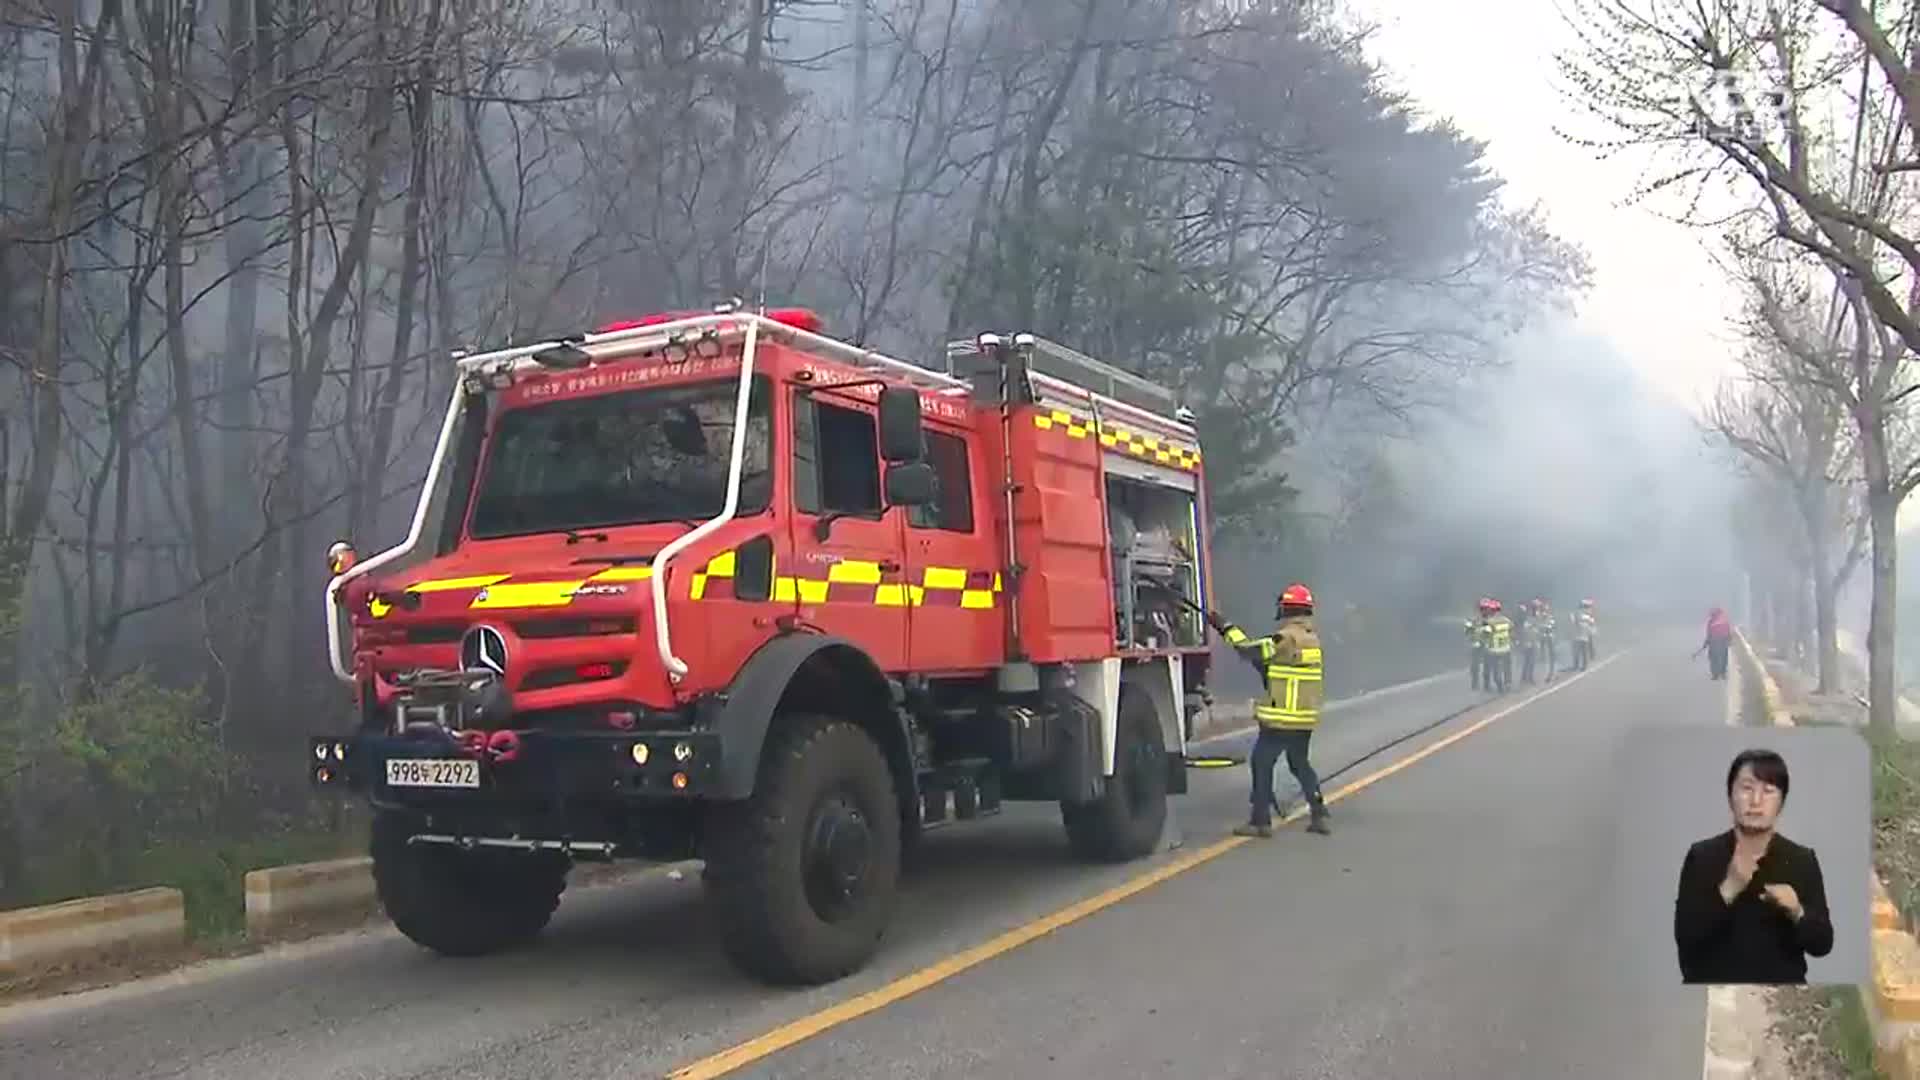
point(1057, 367)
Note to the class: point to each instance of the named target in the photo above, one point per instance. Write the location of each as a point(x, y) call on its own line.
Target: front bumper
point(545, 766)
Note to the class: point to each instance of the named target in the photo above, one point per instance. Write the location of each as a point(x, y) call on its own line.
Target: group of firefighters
point(1289, 663)
point(1493, 637)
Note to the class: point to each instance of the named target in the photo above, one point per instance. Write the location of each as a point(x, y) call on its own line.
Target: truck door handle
point(888, 566)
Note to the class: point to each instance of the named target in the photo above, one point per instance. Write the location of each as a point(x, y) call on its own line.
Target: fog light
point(323, 774)
point(679, 781)
point(682, 751)
point(319, 751)
point(639, 753)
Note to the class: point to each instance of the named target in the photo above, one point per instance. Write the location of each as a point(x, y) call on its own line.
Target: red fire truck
point(718, 586)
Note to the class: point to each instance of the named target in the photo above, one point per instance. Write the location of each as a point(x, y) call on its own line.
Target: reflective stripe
point(1148, 447)
point(480, 581)
point(526, 594)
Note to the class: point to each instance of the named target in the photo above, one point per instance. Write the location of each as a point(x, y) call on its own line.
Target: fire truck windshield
point(625, 458)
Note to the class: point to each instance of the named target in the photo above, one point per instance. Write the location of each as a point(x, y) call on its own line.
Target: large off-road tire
point(1126, 821)
point(463, 903)
point(805, 874)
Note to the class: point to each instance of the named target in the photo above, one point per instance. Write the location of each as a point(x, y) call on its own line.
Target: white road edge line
point(1708, 1059)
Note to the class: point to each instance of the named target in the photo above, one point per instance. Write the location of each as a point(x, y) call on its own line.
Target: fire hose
point(1227, 761)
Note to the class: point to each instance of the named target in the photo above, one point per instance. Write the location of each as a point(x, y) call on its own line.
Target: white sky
point(1489, 65)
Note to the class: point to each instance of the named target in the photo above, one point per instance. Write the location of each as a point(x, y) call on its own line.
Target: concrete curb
point(1777, 713)
point(1892, 1002)
point(280, 896)
point(55, 935)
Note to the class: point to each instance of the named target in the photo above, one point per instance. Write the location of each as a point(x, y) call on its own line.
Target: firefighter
point(1544, 625)
point(1719, 638)
point(1499, 649)
point(1585, 632)
point(1289, 658)
point(1529, 640)
point(1476, 644)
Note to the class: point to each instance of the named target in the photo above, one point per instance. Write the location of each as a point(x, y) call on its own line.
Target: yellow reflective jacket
point(1499, 635)
point(1290, 661)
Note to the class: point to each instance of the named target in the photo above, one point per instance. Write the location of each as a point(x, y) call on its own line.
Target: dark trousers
point(1499, 672)
point(1582, 652)
point(1526, 664)
point(1477, 664)
point(1717, 658)
point(1267, 748)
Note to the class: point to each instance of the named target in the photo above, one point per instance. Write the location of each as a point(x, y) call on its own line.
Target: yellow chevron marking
point(854, 572)
point(479, 581)
point(527, 594)
point(944, 577)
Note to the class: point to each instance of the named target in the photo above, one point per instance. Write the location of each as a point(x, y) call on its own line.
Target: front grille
point(435, 633)
point(577, 626)
point(597, 671)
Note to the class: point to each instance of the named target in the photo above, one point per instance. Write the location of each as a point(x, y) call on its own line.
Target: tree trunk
point(1826, 623)
point(1884, 506)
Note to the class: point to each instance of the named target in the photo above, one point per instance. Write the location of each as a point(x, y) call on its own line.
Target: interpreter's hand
point(1740, 870)
point(1783, 897)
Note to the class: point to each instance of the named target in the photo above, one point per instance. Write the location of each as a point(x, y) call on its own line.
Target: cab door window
point(952, 507)
point(836, 460)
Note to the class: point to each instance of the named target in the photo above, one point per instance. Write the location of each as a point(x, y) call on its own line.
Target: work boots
point(1317, 824)
point(1251, 828)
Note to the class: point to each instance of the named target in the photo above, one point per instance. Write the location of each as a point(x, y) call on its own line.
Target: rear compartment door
point(853, 582)
point(953, 564)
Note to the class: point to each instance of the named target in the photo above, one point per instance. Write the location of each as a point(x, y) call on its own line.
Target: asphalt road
point(1460, 922)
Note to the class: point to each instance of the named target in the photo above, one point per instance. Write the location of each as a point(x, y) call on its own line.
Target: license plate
point(433, 772)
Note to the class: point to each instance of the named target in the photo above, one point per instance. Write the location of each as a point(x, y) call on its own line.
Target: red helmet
point(1296, 595)
point(1587, 602)
point(1493, 605)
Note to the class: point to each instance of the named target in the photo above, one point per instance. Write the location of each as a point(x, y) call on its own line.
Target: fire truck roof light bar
point(615, 344)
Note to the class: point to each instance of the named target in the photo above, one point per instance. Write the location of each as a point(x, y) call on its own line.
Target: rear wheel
point(1126, 821)
point(462, 903)
point(805, 873)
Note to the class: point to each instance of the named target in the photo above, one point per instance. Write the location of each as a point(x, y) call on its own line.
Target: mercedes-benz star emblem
point(484, 649)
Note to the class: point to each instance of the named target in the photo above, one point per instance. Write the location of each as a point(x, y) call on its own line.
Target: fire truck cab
point(720, 586)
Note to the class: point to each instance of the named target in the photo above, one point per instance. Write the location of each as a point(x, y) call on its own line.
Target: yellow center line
point(806, 1027)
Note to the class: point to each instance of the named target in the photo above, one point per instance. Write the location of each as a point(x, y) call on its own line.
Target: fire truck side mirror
point(911, 484)
point(901, 437)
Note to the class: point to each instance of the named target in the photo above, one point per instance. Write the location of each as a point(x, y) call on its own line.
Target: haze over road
point(1462, 921)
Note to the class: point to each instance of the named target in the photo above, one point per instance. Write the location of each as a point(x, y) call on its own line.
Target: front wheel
point(804, 874)
point(1125, 822)
point(462, 903)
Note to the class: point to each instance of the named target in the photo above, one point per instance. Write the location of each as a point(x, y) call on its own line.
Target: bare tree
point(1729, 93)
point(1798, 436)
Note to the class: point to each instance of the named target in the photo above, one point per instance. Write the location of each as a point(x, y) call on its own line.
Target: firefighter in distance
point(1499, 638)
point(1289, 660)
point(1477, 644)
point(1586, 629)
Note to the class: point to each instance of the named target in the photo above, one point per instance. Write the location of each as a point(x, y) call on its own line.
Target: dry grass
point(1822, 1033)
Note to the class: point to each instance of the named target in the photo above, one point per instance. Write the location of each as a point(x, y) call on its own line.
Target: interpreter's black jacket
point(1750, 940)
